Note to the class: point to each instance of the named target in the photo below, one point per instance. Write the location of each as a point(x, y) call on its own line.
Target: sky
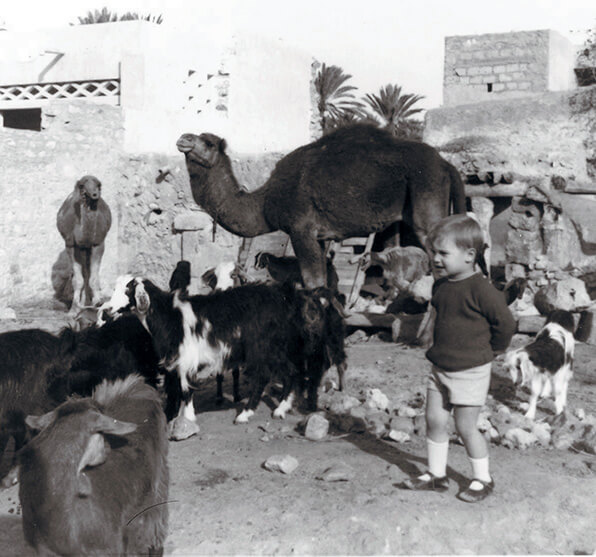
point(376, 41)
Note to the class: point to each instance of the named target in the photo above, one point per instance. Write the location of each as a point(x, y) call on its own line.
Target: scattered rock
point(519, 438)
point(377, 423)
point(182, 428)
point(285, 464)
point(265, 438)
point(406, 411)
point(375, 398)
point(399, 436)
point(580, 414)
point(402, 423)
point(542, 431)
point(587, 443)
point(357, 336)
point(420, 425)
point(317, 427)
point(562, 439)
point(357, 422)
point(343, 402)
point(337, 473)
point(577, 467)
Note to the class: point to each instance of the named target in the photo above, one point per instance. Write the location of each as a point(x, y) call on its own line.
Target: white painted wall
point(268, 107)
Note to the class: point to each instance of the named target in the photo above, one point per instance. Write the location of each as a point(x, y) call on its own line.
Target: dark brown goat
point(95, 480)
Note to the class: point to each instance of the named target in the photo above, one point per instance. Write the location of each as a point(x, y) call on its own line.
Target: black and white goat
point(263, 328)
point(546, 363)
point(224, 275)
point(95, 480)
point(221, 277)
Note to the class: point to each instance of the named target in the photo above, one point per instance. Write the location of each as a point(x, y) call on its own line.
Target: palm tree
point(393, 110)
point(336, 100)
point(105, 16)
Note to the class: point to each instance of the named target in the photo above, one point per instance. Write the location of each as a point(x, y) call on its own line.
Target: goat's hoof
point(243, 417)
point(182, 428)
point(280, 415)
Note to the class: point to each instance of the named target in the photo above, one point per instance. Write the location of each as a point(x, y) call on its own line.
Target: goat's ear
point(142, 301)
point(223, 146)
point(38, 423)
point(105, 424)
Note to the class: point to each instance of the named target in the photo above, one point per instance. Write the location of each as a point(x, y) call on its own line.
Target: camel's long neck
point(217, 191)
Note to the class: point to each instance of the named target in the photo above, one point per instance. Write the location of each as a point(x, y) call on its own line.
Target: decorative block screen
point(69, 90)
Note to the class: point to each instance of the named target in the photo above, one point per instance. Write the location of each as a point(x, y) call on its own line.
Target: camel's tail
point(457, 191)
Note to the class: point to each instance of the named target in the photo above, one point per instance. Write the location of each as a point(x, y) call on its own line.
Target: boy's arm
point(502, 324)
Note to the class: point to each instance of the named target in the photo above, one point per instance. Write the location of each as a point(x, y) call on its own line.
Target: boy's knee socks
point(437, 457)
point(480, 469)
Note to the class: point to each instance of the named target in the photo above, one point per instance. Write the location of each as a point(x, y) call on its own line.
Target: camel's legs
point(78, 283)
point(95, 262)
point(310, 257)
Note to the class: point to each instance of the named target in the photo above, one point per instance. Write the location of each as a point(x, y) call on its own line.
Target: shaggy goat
point(263, 328)
point(95, 480)
point(546, 363)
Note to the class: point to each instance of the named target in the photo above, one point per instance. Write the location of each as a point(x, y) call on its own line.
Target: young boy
point(473, 323)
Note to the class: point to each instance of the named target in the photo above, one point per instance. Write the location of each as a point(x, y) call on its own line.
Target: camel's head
point(89, 189)
point(203, 149)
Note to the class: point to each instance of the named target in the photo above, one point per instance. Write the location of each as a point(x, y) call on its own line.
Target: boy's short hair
point(462, 229)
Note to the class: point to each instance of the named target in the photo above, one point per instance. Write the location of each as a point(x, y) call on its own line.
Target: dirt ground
point(222, 500)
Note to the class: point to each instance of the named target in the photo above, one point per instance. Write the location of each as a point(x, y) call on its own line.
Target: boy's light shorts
point(468, 387)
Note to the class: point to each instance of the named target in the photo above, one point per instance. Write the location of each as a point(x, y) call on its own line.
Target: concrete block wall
point(504, 65)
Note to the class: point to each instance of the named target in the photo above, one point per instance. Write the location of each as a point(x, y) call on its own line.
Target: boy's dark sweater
point(472, 323)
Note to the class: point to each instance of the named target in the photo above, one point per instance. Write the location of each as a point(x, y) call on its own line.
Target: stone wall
point(501, 65)
point(547, 135)
point(535, 158)
point(145, 193)
point(38, 170)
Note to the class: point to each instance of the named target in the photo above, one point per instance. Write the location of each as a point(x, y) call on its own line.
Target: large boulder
point(569, 294)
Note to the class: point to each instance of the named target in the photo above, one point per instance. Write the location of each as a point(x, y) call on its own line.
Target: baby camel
point(84, 220)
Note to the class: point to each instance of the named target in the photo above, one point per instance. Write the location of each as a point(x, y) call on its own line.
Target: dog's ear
point(223, 146)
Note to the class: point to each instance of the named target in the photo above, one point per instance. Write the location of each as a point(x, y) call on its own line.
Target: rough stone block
point(285, 464)
point(520, 438)
point(376, 423)
point(569, 294)
point(523, 246)
point(399, 436)
point(317, 427)
point(402, 423)
point(192, 220)
point(337, 473)
point(376, 399)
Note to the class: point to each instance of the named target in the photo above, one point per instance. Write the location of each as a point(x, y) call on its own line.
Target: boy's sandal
point(475, 495)
point(432, 484)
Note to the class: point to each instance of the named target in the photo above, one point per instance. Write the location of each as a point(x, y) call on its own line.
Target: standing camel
point(84, 220)
point(352, 182)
